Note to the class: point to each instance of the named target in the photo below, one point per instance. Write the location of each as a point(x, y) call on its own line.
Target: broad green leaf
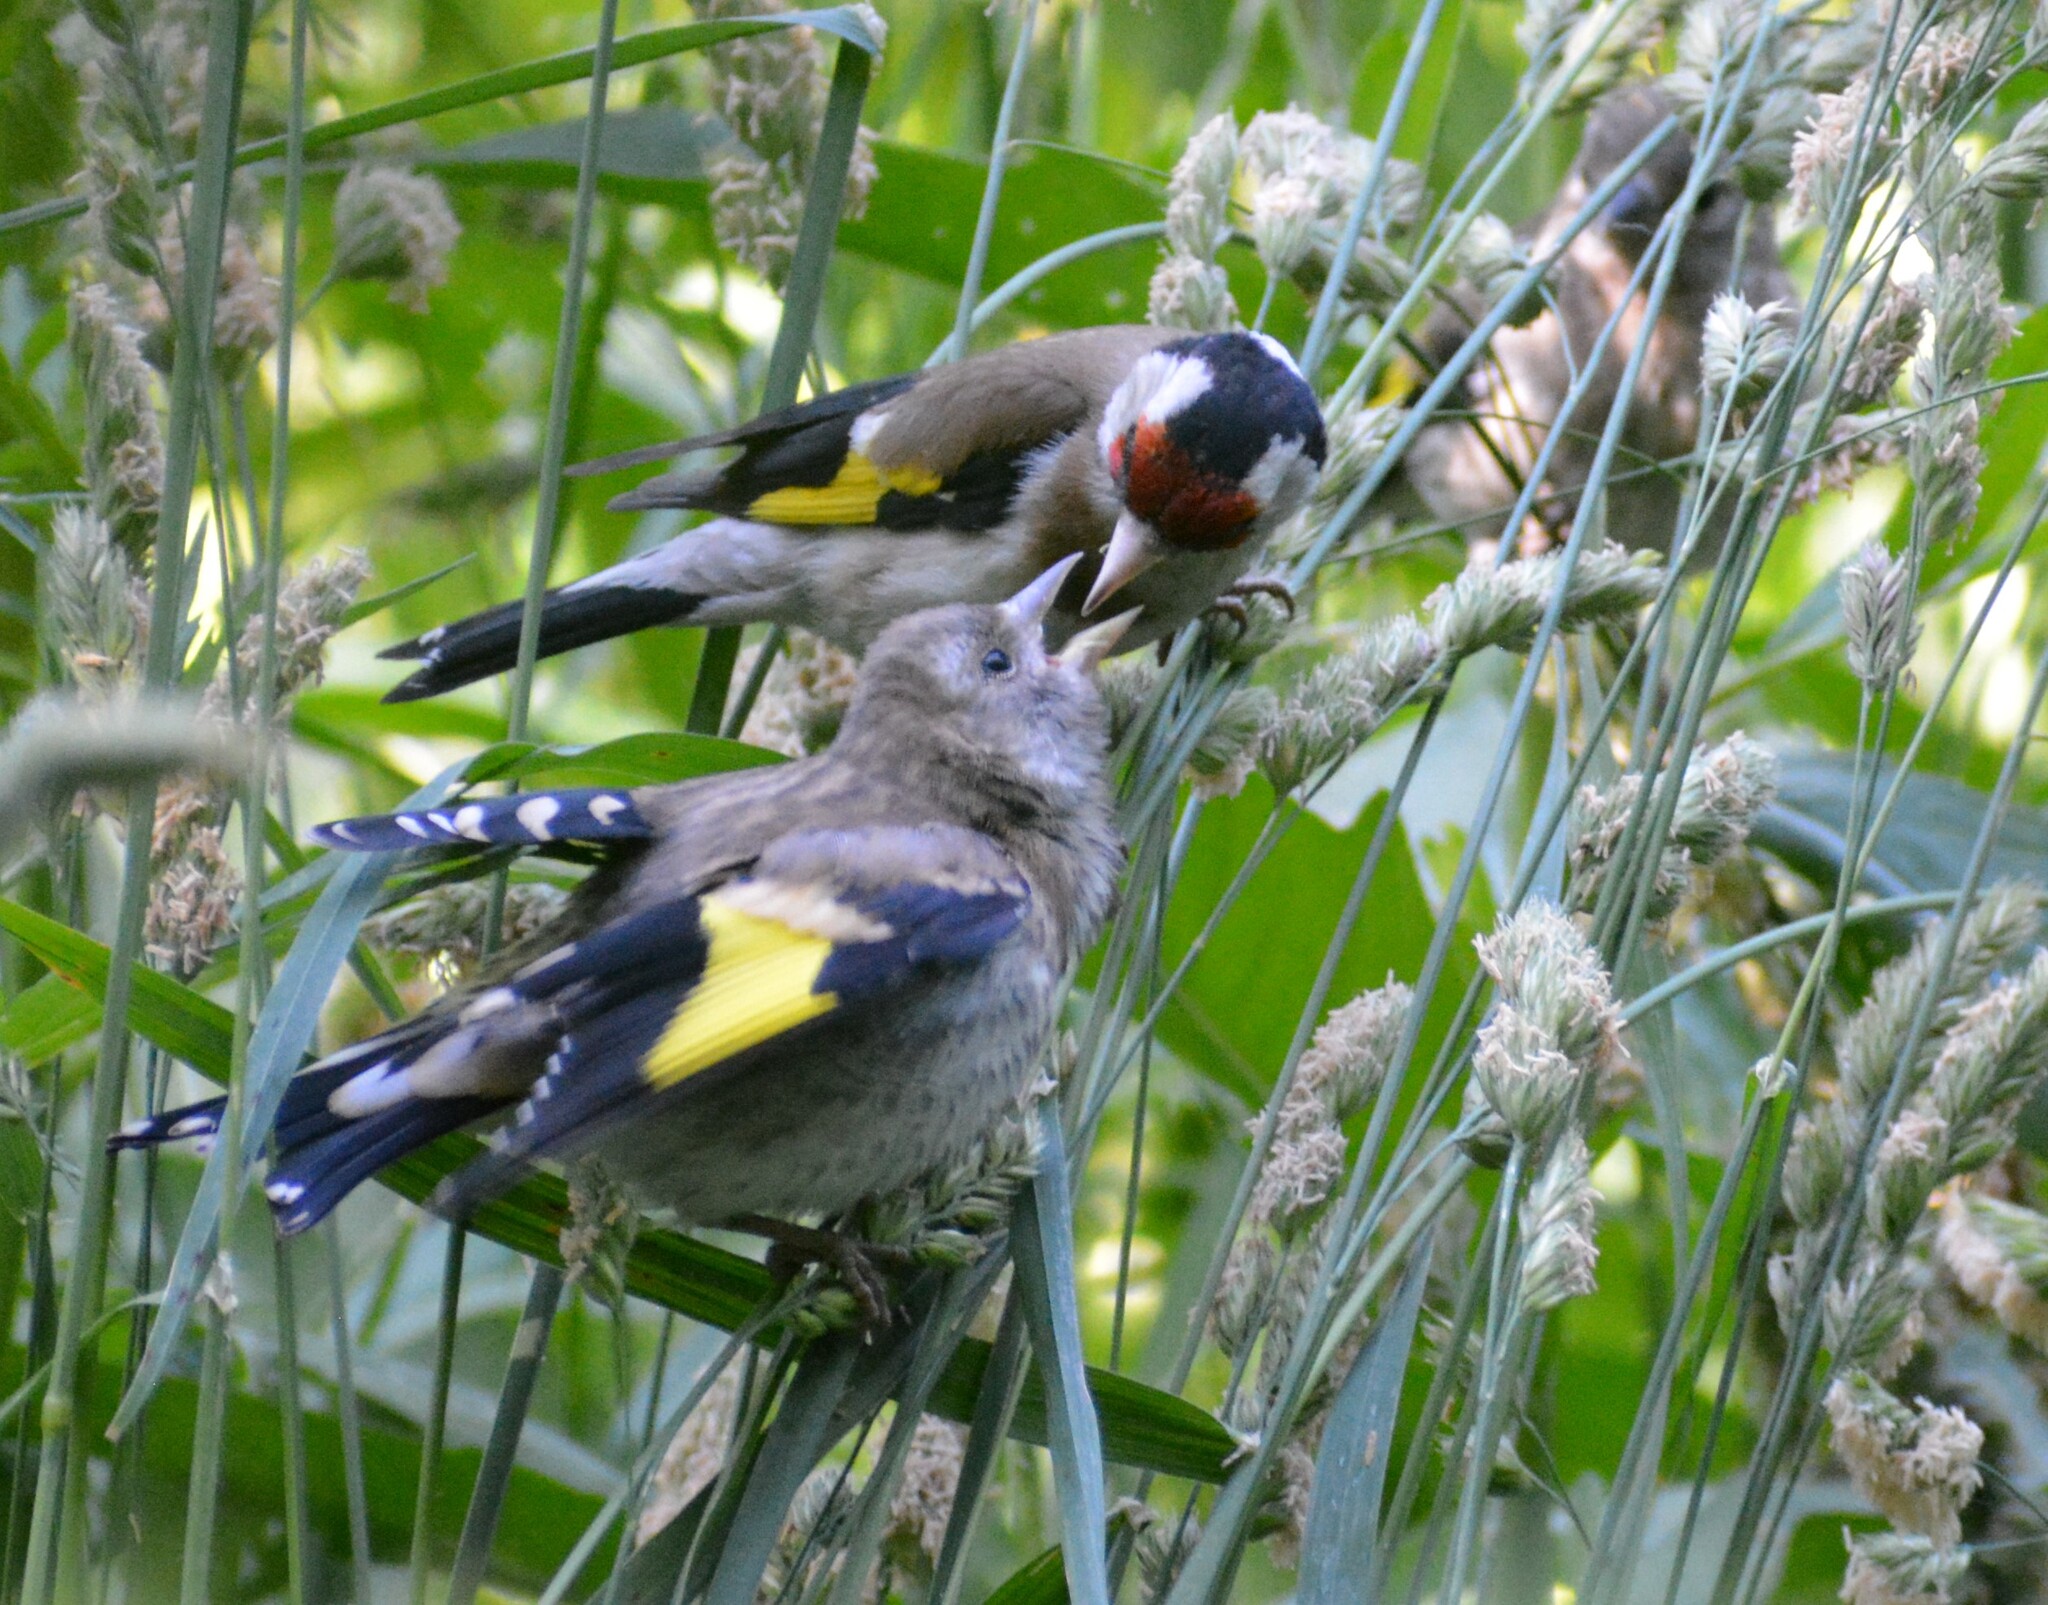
point(176, 1019)
point(645, 153)
point(643, 760)
point(45, 1018)
point(1237, 1009)
point(1927, 840)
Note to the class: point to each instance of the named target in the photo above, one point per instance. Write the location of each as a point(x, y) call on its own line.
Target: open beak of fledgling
point(1030, 605)
point(1134, 546)
point(1086, 650)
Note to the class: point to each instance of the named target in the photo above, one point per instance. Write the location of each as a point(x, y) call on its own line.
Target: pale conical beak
point(1134, 546)
point(1030, 605)
point(1086, 650)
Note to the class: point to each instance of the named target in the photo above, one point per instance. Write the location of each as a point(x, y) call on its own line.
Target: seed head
point(1991, 1060)
point(86, 603)
point(1557, 1224)
point(1900, 1569)
point(1326, 714)
point(1189, 293)
point(1998, 1254)
point(1546, 969)
point(1225, 756)
point(124, 454)
point(394, 226)
point(1918, 1465)
point(1744, 349)
point(1890, 337)
point(693, 1457)
point(1823, 155)
point(1198, 193)
point(2002, 923)
point(923, 1501)
point(2017, 168)
point(1911, 1162)
point(803, 698)
point(1871, 1318)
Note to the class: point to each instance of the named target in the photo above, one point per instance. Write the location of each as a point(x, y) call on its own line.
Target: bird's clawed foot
point(855, 1263)
point(1233, 604)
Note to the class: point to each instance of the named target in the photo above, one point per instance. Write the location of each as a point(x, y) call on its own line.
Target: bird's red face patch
point(1204, 512)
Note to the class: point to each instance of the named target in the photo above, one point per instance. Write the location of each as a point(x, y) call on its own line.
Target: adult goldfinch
point(1468, 469)
point(1164, 460)
point(784, 990)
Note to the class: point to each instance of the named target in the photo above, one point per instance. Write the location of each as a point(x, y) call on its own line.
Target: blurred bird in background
point(1467, 469)
point(1162, 459)
point(784, 990)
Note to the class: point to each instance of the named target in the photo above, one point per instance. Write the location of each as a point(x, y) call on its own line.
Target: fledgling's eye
point(996, 663)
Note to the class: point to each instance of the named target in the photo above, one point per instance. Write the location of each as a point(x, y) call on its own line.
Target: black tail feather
point(487, 643)
point(321, 1156)
point(305, 1184)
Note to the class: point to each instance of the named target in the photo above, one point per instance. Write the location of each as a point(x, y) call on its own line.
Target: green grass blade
point(798, 1436)
point(1339, 1549)
point(1042, 1248)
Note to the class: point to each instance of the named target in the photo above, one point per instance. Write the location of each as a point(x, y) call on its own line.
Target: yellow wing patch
point(756, 985)
point(853, 497)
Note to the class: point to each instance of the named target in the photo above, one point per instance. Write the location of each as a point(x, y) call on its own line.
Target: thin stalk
point(348, 1414)
point(437, 1414)
point(292, 1419)
point(561, 389)
point(802, 295)
point(209, 1436)
point(57, 1528)
point(515, 1397)
point(1322, 326)
point(750, 693)
point(1028, 278)
point(992, 190)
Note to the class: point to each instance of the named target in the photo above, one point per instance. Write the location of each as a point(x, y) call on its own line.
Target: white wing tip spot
point(535, 815)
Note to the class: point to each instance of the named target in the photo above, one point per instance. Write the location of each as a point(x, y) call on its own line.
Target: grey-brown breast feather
point(1019, 395)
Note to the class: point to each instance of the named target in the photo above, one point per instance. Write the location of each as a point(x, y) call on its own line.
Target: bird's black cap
point(1256, 396)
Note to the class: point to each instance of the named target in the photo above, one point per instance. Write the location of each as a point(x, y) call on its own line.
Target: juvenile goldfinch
point(785, 989)
point(1164, 460)
point(1468, 469)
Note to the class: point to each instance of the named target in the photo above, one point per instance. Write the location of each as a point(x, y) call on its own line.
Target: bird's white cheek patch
point(1188, 379)
point(1158, 387)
